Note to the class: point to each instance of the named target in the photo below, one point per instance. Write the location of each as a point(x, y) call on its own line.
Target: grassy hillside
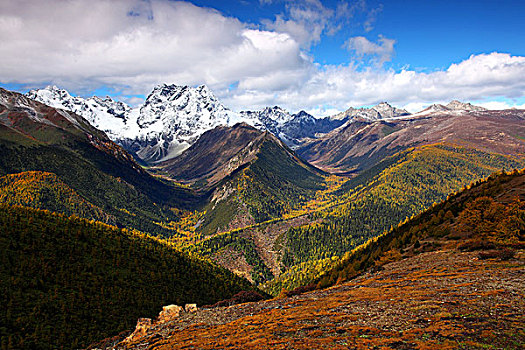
point(488, 216)
point(274, 183)
point(65, 282)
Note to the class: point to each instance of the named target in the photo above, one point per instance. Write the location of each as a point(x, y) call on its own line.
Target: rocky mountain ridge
point(357, 145)
point(381, 111)
point(173, 117)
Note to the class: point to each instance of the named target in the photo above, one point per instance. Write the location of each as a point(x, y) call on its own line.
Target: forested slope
point(487, 216)
point(66, 281)
point(37, 138)
point(380, 198)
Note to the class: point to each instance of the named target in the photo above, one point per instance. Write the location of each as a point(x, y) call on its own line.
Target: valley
point(449, 277)
point(265, 201)
point(262, 174)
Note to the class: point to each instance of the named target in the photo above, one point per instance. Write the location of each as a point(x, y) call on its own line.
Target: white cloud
point(131, 45)
point(307, 20)
point(498, 105)
point(480, 77)
point(372, 18)
point(362, 47)
point(414, 107)
point(134, 45)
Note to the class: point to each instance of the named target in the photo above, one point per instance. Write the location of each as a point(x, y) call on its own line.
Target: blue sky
point(321, 56)
point(429, 34)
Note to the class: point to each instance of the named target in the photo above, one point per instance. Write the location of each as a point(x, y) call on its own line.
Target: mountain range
point(278, 199)
point(358, 145)
point(173, 117)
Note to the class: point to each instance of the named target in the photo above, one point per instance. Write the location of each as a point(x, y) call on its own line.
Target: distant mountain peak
point(453, 107)
point(457, 105)
point(382, 110)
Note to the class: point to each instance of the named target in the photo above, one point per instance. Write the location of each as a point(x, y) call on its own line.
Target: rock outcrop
point(143, 324)
point(168, 313)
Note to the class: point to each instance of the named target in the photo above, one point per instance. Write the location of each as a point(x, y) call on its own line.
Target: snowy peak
point(385, 111)
point(174, 116)
point(457, 105)
point(105, 114)
point(276, 113)
point(172, 99)
point(381, 111)
point(51, 94)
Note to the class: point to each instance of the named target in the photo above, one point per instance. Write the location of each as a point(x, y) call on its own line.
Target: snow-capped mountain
point(104, 113)
point(380, 111)
point(291, 128)
point(170, 120)
point(173, 117)
point(453, 107)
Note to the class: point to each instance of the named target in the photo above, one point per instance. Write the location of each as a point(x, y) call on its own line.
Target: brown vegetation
point(445, 299)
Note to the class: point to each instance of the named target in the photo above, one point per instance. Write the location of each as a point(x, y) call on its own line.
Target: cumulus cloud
point(132, 45)
point(135, 44)
point(361, 46)
point(480, 77)
point(306, 20)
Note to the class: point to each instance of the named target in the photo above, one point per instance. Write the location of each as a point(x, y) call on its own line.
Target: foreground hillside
point(65, 282)
point(452, 277)
point(456, 301)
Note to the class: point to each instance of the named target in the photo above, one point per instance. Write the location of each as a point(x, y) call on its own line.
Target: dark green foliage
point(220, 215)
point(235, 240)
point(277, 182)
point(130, 195)
point(273, 184)
point(400, 189)
point(365, 178)
point(66, 282)
point(38, 189)
point(498, 227)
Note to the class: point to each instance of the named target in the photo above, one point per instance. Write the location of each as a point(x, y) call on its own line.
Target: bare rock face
point(190, 308)
point(169, 312)
point(143, 324)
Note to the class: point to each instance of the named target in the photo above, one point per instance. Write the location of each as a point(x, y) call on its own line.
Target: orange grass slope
point(443, 299)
